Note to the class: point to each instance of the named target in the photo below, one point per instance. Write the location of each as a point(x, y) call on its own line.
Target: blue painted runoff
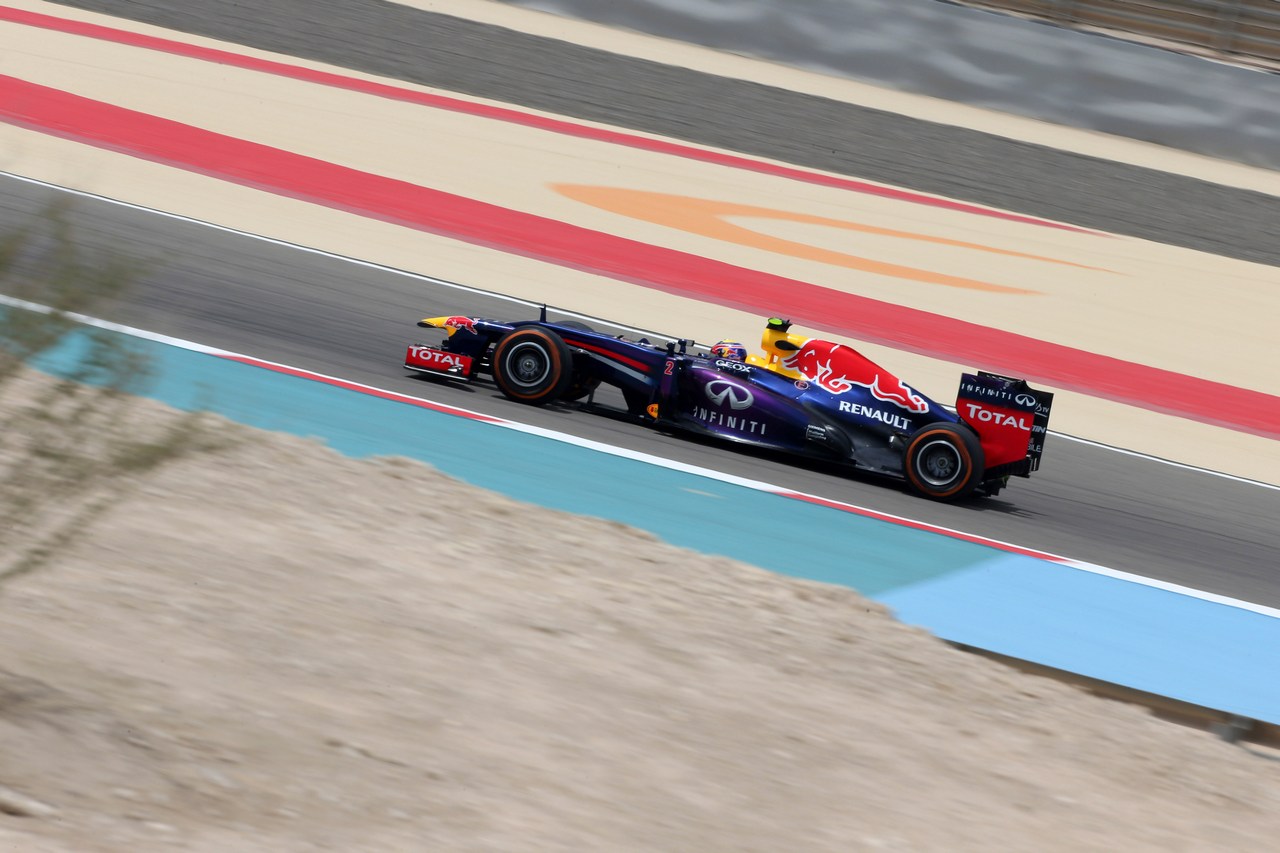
point(1154, 640)
point(1118, 631)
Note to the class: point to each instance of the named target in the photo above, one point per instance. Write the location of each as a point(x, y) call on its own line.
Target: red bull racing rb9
point(801, 396)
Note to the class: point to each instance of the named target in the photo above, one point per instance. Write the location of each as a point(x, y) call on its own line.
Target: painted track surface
point(338, 318)
point(473, 58)
point(1143, 518)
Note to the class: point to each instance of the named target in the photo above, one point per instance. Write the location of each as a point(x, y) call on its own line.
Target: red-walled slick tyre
point(532, 365)
point(944, 462)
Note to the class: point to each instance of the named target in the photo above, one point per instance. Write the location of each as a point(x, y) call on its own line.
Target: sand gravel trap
point(274, 648)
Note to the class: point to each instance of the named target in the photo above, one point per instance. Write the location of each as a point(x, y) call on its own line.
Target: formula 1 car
point(804, 396)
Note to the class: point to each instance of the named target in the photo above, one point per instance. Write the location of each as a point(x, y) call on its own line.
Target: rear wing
point(1011, 419)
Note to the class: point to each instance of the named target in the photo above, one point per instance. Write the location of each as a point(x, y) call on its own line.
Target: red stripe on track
point(921, 525)
point(363, 389)
point(567, 128)
point(316, 181)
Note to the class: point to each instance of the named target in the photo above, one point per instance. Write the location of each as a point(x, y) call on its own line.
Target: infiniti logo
point(1026, 399)
point(721, 391)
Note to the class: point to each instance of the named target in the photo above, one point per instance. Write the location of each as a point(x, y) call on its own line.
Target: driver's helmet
point(731, 350)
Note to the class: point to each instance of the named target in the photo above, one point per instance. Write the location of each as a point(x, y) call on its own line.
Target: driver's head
point(731, 350)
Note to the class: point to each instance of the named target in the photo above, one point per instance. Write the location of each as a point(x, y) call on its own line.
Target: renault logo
point(721, 391)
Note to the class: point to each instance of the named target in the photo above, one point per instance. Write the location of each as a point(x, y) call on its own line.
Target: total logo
point(977, 413)
point(430, 357)
point(722, 391)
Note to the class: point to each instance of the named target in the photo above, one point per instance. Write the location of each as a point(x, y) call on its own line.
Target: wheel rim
point(527, 365)
point(939, 463)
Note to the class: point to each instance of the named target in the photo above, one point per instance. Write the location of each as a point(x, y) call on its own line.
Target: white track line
point(1148, 457)
point(439, 282)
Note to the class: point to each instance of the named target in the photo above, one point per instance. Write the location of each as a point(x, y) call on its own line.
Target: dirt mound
point(272, 647)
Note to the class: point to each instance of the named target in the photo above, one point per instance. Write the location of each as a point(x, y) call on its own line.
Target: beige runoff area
point(1085, 308)
point(275, 648)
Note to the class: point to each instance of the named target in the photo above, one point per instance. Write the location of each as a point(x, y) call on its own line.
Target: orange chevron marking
point(709, 218)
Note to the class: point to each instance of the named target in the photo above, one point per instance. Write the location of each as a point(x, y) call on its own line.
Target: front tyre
point(532, 365)
point(944, 462)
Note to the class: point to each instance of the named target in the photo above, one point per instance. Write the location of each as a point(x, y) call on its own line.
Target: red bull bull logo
point(837, 368)
point(464, 323)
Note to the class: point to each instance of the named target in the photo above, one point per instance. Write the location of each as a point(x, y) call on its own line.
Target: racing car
point(800, 396)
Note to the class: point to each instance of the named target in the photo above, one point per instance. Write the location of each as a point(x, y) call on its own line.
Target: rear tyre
point(532, 365)
point(944, 462)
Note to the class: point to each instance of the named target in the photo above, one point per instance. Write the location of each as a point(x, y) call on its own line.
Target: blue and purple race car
point(801, 396)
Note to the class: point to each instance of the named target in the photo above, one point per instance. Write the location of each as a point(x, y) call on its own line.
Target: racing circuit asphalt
point(340, 318)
